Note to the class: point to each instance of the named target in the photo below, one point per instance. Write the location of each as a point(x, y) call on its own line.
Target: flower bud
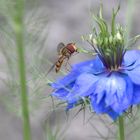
point(94, 41)
point(118, 36)
point(90, 36)
point(106, 41)
point(110, 39)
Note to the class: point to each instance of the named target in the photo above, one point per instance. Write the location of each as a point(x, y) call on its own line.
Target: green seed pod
point(106, 41)
point(90, 36)
point(110, 39)
point(100, 41)
point(94, 41)
point(118, 36)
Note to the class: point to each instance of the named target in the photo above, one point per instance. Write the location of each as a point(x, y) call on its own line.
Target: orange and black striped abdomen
point(59, 63)
point(65, 55)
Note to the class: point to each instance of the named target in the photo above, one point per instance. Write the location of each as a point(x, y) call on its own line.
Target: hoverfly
point(64, 53)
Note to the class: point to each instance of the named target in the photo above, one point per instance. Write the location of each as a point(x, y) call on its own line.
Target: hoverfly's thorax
point(71, 47)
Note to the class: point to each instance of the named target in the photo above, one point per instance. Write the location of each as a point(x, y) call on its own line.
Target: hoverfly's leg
point(68, 64)
point(75, 53)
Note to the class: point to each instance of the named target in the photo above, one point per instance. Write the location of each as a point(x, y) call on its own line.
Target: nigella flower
point(110, 82)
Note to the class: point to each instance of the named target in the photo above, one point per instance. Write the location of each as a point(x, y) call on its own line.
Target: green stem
point(121, 128)
point(19, 29)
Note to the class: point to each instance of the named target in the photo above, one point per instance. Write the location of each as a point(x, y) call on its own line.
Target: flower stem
point(19, 29)
point(121, 128)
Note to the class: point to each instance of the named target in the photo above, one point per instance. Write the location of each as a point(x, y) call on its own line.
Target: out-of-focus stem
point(129, 18)
point(19, 29)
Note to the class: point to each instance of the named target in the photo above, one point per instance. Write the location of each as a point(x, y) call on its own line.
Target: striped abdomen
point(61, 60)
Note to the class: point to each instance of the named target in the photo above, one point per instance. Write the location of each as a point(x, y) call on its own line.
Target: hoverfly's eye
point(75, 48)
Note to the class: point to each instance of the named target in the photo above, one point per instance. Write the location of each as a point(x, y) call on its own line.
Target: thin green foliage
point(51, 134)
point(34, 41)
point(113, 28)
point(19, 30)
point(35, 36)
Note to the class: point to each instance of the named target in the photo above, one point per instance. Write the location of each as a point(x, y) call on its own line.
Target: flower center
point(111, 56)
point(108, 44)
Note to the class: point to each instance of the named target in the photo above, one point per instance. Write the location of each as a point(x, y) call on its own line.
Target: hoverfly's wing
point(60, 46)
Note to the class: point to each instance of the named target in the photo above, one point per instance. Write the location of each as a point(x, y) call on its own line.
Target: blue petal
point(136, 95)
point(116, 90)
point(113, 114)
point(83, 86)
point(132, 65)
point(94, 66)
point(131, 57)
point(121, 89)
point(101, 108)
point(62, 93)
point(99, 90)
point(71, 105)
point(134, 74)
point(124, 94)
point(66, 80)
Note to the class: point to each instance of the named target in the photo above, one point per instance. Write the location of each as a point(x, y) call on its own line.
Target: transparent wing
point(60, 46)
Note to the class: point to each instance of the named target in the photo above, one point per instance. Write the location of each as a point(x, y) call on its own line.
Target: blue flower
point(109, 91)
point(110, 83)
